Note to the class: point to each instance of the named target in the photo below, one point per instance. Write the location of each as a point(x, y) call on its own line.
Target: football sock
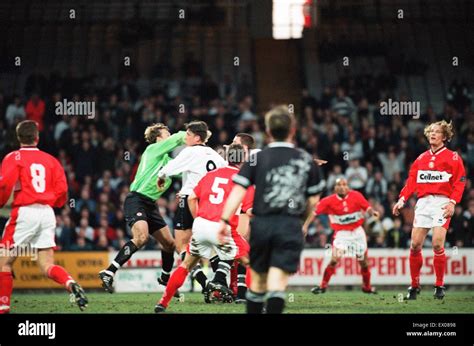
point(60, 275)
point(214, 261)
point(254, 302)
point(123, 256)
point(365, 272)
point(167, 260)
point(6, 288)
point(176, 281)
point(241, 286)
point(222, 272)
point(199, 276)
point(416, 261)
point(328, 272)
point(275, 302)
point(439, 263)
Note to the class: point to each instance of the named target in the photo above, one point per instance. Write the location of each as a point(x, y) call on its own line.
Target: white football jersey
point(193, 162)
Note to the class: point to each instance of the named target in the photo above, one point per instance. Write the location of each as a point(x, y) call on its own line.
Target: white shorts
point(353, 243)
point(31, 225)
point(204, 241)
point(429, 212)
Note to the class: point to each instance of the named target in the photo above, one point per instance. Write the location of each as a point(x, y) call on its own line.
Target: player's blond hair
point(446, 127)
point(154, 131)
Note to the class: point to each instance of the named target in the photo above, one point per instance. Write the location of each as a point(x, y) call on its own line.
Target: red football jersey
point(439, 173)
point(346, 213)
point(212, 192)
point(35, 176)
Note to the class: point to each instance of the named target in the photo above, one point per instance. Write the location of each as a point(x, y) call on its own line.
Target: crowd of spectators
point(343, 126)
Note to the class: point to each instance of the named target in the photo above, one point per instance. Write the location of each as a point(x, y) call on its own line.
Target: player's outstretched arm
point(167, 145)
point(178, 165)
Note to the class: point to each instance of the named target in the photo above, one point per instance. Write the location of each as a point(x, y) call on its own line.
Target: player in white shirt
point(193, 162)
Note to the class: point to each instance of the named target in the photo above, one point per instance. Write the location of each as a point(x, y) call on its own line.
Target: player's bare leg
point(140, 237)
point(365, 272)
point(61, 276)
point(176, 281)
point(166, 240)
point(256, 293)
point(6, 283)
point(418, 236)
point(336, 255)
point(277, 282)
point(439, 261)
point(182, 238)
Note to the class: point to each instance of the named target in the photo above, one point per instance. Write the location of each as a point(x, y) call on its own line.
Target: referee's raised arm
point(287, 184)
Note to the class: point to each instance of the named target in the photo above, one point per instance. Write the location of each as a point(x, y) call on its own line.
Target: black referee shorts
point(275, 241)
point(183, 219)
point(139, 207)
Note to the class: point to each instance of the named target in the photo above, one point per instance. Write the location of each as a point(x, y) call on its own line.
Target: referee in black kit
point(287, 185)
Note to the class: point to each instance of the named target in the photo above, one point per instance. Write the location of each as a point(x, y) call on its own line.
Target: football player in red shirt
point(438, 178)
point(212, 192)
point(346, 209)
point(39, 184)
point(239, 274)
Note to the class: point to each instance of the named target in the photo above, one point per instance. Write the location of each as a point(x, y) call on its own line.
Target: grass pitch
point(297, 302)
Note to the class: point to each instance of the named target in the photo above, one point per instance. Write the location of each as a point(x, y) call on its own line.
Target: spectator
point(377, 186)
point(35, 110)
point(15, 111)
point(84, 230)
point(392, 163)
point(356, 175)
point(81, 244)
point(86, 200)
point(353, 147)
point(342, 104)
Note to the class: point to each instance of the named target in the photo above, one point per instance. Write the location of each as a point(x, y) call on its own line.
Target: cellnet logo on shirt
point(432, 177)
point(346, 219)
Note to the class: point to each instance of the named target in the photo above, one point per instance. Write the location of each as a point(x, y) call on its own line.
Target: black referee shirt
point(284, 178)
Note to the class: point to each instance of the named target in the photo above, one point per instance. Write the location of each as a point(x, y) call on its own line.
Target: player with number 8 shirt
point(39, 185)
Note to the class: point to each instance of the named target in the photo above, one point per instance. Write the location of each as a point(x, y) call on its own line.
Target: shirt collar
point(437, 151)
point(281, 144)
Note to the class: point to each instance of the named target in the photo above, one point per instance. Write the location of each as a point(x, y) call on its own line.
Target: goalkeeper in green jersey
point(140, 208)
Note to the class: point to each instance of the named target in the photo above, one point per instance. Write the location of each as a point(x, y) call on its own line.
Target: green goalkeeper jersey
point(153, 159)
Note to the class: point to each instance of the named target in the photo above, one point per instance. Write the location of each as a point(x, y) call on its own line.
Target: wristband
point(452, 201)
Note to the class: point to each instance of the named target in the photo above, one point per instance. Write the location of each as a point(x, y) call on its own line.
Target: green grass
point(298, 302)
